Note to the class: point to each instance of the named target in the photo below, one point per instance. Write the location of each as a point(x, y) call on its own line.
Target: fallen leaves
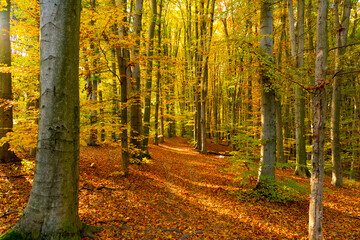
point(181, 194)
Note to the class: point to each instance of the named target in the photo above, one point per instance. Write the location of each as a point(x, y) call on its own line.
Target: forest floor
point(181, 194)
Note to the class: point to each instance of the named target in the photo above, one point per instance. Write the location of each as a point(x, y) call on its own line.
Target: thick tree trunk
point(6, 111)
point(135, 109)
point(341, 37)
point(146, 127)
point(319, 104)
point(268, 115)
point(52, 210)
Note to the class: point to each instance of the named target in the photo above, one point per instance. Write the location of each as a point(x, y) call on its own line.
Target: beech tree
point(319, 106)
point(268, 114)
point(298, 62)
point(342, 28)
point(52, 210)
point(135, 109)
point(6, 109)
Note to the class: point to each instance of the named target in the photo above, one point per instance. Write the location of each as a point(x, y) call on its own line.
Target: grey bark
point(268, 116)
point(6, 111)
point(342, 29)
point(135, 109)
point(355, 133)
point(301, 166)
point(147, 108)
point(319, 105)
point(123, 58)
point(279, 136)
point(52, 210)
point(93, 87)
point(158, 77)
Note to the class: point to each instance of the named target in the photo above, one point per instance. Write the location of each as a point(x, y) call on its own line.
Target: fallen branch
point(102, 187)
point(13, 176)
point(8, 213)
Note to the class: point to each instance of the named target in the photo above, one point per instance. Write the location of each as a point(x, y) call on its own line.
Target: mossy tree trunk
point(52, 210)
point(268, 115)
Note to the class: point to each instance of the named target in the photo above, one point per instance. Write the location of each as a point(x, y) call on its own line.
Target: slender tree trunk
point(301, 166)
point(341, 39)
point(52, 210)
point(146, 127)
point(123, 58)
point(268, 115)
point(355, 152)
point(319, 104)
point(135, 109)
point(158, 77)
point(6, 109)
point(279, 136)
point(280, 157)
point(93, 87)
point(114, 92)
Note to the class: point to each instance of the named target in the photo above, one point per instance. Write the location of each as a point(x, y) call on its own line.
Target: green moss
point(12, 235)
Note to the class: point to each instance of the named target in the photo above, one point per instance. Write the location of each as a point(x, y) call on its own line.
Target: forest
point(179, 119)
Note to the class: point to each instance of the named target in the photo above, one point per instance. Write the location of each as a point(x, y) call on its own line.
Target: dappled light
point(171, 197)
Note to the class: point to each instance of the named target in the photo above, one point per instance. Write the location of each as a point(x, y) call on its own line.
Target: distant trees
point(6, 96)
point(216, 72)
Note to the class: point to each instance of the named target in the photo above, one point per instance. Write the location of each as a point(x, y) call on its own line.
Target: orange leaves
point(181, 194)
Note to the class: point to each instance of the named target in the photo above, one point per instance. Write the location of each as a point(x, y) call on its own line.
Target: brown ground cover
point(181, 194)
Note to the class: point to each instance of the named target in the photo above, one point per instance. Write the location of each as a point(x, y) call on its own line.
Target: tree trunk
point(341, 37)
point(158, 77)
point(93, 87)
point(114, 108)
point(301, 166)
point(268, 115)
point(355, 152)
point(135, 110)
point(146, 127)
point(123, 58)
point(319, 104)
point(6, 110)
point(279, 136)
point(52, 210)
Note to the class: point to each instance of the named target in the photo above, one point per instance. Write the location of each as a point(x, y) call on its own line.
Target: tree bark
point(158, 77)
point(52, 210)
point(135, 109)
point(342, 29)
point(319, 105)
point(123, 58)
point(268, 115)
point(146, 127)
point(6, 109)
point(301, 166)
point(93, 87)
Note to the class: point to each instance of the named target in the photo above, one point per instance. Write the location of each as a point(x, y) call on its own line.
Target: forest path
point(181, 194)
